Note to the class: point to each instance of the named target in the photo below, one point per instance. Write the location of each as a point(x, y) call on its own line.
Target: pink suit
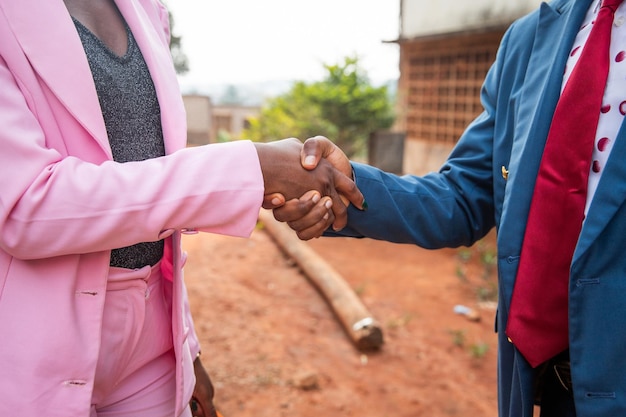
point(64, 204)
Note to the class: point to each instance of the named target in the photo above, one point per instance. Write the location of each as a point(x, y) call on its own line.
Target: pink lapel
point(49, 40)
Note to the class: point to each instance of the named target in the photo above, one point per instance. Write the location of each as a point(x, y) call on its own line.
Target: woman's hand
point(310, 215)
point(284, 173)
point(201, 403)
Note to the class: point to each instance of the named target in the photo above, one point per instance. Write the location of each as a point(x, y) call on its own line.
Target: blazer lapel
point(51, 43)
point(556, 29)
point(156, 53)
point(609, 197)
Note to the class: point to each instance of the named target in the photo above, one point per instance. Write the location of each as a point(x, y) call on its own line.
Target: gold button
point(505, 173)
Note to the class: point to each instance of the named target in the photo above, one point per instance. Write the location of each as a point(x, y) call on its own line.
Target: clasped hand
point(308, 186)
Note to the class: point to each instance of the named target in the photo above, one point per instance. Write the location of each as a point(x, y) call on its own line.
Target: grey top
point(133, 120)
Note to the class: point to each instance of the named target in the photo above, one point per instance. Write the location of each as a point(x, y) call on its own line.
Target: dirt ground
point(274, 348)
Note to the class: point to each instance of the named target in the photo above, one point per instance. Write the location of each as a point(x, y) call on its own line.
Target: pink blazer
point(64, 204)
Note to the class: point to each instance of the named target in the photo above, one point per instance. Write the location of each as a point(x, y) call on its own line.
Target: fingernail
point(309, 160)
point(275, 201)
point(364, 206)
point(328, 204)
point(316, 198)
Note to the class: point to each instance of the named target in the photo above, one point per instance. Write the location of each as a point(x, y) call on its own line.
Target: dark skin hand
point(286, 179)
point(308, 215)
point(201, 403)
point(312, 213)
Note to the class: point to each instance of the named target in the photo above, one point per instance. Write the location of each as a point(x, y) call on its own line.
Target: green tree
point(181, 63)
point(344, 106)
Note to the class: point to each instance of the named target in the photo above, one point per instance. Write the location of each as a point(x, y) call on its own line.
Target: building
point(199, 124)
point(210, 123)
point(446, 49)
point(232, 119)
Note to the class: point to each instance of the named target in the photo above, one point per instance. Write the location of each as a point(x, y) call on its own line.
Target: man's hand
point(201, 403)
point(283, 173)
point(319, 147)
point(309, 215)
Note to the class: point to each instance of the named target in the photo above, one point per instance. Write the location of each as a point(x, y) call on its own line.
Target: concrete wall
point(422, 157)
point(233, 119)
point(199, 110)
point(427, 17)
point(205, 121)
point(386, 151)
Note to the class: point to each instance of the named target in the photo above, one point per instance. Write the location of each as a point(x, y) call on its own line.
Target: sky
point(252, 41)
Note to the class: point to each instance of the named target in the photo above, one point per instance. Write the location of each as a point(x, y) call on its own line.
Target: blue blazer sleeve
point(449, 208)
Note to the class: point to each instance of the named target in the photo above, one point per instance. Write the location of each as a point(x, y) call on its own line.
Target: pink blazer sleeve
point(60, 192)
point(52, 205)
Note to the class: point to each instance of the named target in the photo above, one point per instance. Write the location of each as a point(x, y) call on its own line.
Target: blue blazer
point(469, 196)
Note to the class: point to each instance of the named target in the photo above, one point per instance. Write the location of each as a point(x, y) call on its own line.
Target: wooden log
point(361, 327)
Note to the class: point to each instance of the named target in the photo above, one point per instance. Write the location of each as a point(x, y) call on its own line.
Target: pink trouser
point(135, 375)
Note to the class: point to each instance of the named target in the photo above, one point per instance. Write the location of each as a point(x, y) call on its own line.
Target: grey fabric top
point(133, 121)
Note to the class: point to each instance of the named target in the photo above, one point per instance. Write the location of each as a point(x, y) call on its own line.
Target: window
point(442, 79)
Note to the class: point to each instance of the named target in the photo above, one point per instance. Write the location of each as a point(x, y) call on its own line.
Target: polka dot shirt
point(614, 101)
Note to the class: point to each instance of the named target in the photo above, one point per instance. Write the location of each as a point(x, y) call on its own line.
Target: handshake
point(308, 185)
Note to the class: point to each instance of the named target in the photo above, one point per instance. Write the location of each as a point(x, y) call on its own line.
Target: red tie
point(538, 316)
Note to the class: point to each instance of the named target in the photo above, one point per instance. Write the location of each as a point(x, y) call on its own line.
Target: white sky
point(249, 41)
